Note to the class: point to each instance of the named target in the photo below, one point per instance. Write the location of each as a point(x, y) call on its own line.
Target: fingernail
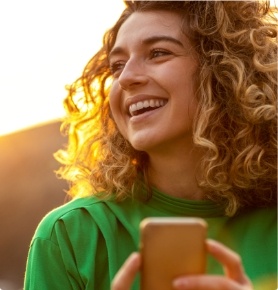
point(180, 283)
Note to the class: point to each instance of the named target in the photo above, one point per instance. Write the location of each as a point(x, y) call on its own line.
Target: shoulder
point(77, 209)
point(260, 220)
point(261, 214)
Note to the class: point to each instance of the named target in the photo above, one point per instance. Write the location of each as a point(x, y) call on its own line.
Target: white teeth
point(145, 104)
point(140, 105)
point(132, 108)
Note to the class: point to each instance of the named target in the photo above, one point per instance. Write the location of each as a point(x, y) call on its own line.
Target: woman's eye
point(116, 67)
point(159, 52)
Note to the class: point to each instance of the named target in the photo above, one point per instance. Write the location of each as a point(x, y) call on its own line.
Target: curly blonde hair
point(236, 120)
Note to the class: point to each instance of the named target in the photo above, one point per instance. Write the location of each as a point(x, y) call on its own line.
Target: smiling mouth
point(146, 106)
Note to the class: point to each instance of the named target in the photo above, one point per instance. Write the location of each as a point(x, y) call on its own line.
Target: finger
point(124, 278)
point(230, 260)
point(206, 282)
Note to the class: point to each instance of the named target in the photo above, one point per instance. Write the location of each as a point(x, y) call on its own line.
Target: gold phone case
point(171, 247)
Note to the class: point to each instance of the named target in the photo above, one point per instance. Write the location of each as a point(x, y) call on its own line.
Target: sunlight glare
point(44, 47)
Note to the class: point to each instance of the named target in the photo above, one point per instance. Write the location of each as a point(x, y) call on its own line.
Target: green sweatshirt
point(82, 244)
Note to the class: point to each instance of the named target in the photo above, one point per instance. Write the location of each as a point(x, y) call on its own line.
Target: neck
point(175, 174)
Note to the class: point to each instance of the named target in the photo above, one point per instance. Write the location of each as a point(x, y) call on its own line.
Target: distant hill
point(28, 190)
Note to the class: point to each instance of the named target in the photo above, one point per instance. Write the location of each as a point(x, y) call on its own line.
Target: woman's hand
point(124, 278)
point(234, 279)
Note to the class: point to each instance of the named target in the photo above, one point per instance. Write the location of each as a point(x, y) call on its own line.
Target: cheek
point(114, 100)
point(115, 104)
point(185, 91)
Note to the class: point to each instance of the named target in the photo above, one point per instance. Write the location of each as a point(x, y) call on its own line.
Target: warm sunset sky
point(44, 46)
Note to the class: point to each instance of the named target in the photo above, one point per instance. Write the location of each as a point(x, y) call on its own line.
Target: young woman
point(174, 116)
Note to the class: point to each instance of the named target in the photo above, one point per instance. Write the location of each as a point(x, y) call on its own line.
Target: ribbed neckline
point(184, 207)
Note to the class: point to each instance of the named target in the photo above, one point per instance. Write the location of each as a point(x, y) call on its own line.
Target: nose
point(133, 75)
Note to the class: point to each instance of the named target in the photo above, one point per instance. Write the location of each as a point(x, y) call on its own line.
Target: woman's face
point(152, 95)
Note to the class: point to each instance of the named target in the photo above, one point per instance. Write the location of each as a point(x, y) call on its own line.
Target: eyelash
point(162, 52)
point(118, 65)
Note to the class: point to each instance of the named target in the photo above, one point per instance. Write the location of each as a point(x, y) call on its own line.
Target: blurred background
point(44, 47)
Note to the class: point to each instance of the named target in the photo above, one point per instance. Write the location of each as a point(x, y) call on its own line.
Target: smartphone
point(171, 247)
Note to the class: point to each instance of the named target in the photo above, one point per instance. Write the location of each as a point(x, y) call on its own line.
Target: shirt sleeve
point(46, 269)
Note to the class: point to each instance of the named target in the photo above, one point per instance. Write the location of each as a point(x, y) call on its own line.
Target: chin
point(141, 145)
point(146, 147)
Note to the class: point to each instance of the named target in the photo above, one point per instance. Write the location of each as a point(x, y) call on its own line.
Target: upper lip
point(140, 98)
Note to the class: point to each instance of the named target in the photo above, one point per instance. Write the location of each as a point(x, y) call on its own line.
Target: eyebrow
point(149, 41)
point(157, 38)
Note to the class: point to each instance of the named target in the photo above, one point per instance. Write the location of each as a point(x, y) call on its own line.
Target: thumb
point(125, 276)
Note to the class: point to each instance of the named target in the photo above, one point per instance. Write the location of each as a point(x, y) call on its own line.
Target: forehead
point(142, 25)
